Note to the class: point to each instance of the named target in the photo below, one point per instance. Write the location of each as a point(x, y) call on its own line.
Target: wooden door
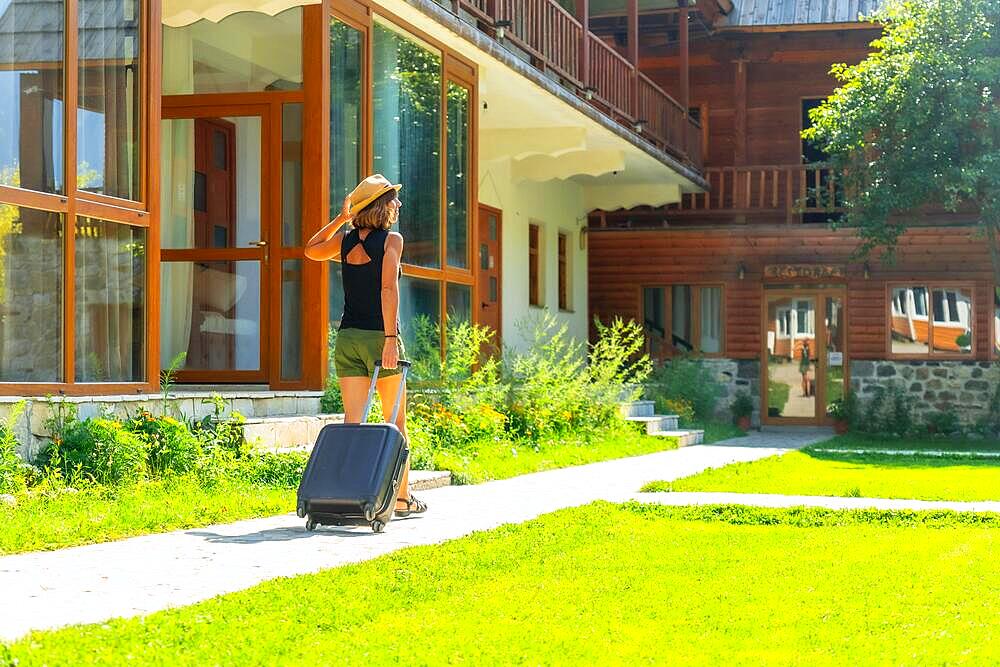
point(489, 271)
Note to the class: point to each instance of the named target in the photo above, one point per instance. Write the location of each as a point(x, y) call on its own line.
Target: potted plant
point(842, 411)
point(742, 408)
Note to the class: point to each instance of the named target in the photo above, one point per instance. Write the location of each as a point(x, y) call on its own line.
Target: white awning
point(177, 13)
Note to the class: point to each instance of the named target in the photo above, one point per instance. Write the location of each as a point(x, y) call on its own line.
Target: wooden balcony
point(788, 192)
point(557, 42)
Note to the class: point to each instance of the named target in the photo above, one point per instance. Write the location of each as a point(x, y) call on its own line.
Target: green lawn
point(492, 461)
point(57, 520)
point(858, 441)
point(868, 475)
point(605, 584)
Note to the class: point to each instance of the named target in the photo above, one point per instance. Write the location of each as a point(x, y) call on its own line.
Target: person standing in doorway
point(370, 255)
point(805, 363)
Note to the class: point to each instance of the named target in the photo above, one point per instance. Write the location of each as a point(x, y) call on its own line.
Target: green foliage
point(12, 469)
point(680, 407)
point(172, 447)
point(944, 423)
point(331, 401)
point(845, 408)
point(989, 424)
point(220, 433)
point(99, 450)
point(742, 405)
point(685, 378)
point(616, 364)
point(888, 412)
point(917, 122)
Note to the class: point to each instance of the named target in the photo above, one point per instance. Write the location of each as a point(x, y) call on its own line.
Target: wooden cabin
point(749, 275)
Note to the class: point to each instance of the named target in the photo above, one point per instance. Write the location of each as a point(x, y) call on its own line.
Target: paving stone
point(146, 574)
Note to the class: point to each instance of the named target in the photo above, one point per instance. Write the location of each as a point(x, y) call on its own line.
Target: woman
point(805, 365)
point(369, 329)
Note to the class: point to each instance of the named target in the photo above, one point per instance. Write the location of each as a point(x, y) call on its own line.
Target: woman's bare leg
point(387, 389)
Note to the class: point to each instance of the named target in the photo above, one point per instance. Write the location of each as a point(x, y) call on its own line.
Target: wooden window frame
point(535, 266)
point(930, 286)
point(75, 203)
point(695, 317)
point(565, 283)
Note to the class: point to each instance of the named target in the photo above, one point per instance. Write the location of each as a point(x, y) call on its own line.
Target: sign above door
point(800, 271)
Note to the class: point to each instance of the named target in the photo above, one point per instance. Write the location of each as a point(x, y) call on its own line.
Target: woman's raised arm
point(326, 243)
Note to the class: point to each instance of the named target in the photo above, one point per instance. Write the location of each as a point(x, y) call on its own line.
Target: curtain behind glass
point(680, 317)
point(108, 136)
point(176, 231)
point(407, 115)
point(711, 320)
point(110, 305)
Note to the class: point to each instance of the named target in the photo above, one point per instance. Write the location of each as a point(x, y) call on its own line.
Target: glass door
point(804, 355)
point(214, 243)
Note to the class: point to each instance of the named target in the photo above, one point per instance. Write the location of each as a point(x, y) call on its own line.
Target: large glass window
point(244, 52)
point(459, 302)
point(109, 94)
point(931, 320)
point(692, 314)
point(420, 317)
point(110, 282)
point(407, 143)
point(291, 319)
point(31, 95)
point(31, 295)
point(458, 176)
point(291, 175)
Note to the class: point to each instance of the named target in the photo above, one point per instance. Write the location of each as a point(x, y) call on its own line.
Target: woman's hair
point(376, 215)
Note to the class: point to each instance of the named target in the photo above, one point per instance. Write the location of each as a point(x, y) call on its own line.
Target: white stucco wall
point(556, 207)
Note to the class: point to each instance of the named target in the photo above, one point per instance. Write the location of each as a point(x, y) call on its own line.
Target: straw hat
point(369, 190)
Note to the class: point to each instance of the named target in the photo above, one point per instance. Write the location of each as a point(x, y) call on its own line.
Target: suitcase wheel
point(378, 526)
point(301, 510)
point(311, 524)
point(369, 511)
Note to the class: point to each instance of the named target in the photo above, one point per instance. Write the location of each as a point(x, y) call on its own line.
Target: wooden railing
point(555, 40)
point(789, 190)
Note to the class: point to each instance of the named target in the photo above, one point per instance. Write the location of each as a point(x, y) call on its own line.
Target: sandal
point(413, 506)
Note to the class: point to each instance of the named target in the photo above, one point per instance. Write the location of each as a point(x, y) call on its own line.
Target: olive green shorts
point(357, 351)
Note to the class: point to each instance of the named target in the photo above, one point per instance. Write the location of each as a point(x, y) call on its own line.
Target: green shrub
point(219, 432)
point(687, 379)
point(99, 449)
point(944, 423)
point(845, 408)
point(12, 468)
point(989, 424)
point(171, 446)
point(889, 412)
point(680, 407)
point(742, 405)
point(616, 366)
point(331, 401)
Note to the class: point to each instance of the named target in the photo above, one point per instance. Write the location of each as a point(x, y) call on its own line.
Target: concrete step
point(656, 423)
point(288, 432)
point(684, 438)
point(421, 480)
point(637, 409)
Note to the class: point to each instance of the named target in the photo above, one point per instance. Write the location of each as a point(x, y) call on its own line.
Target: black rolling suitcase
point(352, 477)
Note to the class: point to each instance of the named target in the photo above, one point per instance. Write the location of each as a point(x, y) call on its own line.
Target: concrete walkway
point(829, 502)
point(146, 574)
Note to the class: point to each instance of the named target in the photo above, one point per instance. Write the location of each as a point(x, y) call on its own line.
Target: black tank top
point(363, 282)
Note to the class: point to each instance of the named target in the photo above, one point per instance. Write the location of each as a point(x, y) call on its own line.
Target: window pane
point(458, 170)
point(680, 318)
point(291, 319)
point(952, 320)
point(31, 95)
point(910, 328)
point(108, 117)
point(711, 320)
point(245, 52)
point(211, 312)
point(459, 298)
point(336, 294)
point(110, 308)
point(203, 205)
point(291, 175)
point(346, 58)
point(791, 359)
point(654, 324)
point(31, 278)
point(407, 99)
point(420, 318)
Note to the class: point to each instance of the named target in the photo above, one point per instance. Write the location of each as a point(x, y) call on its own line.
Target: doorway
point(804, 360)
point(489, 274)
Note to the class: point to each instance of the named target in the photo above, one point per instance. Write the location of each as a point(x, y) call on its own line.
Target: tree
point(918, 122)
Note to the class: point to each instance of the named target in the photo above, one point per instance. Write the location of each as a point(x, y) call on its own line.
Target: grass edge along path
point(820, 473)
point(60, 519)
point(727, 584)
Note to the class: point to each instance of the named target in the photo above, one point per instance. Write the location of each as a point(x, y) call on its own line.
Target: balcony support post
point(682, 38)
point(583, 16)
point(632, 51)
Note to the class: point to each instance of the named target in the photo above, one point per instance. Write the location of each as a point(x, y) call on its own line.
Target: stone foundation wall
point(962, 387)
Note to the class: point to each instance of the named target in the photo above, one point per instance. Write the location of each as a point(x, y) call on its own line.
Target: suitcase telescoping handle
point(405, 365)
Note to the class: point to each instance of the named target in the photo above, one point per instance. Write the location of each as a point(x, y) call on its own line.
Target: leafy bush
point(171, 446)
point(12, 469)
point(687, 379)
point(989, 424)
point(616, 365)
point(99, 449)
point(219, 432)
point(680, 407)
point(889, 412)
point(331, 401)
point(845, 408)
point(274, 469)
point(944, 423)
